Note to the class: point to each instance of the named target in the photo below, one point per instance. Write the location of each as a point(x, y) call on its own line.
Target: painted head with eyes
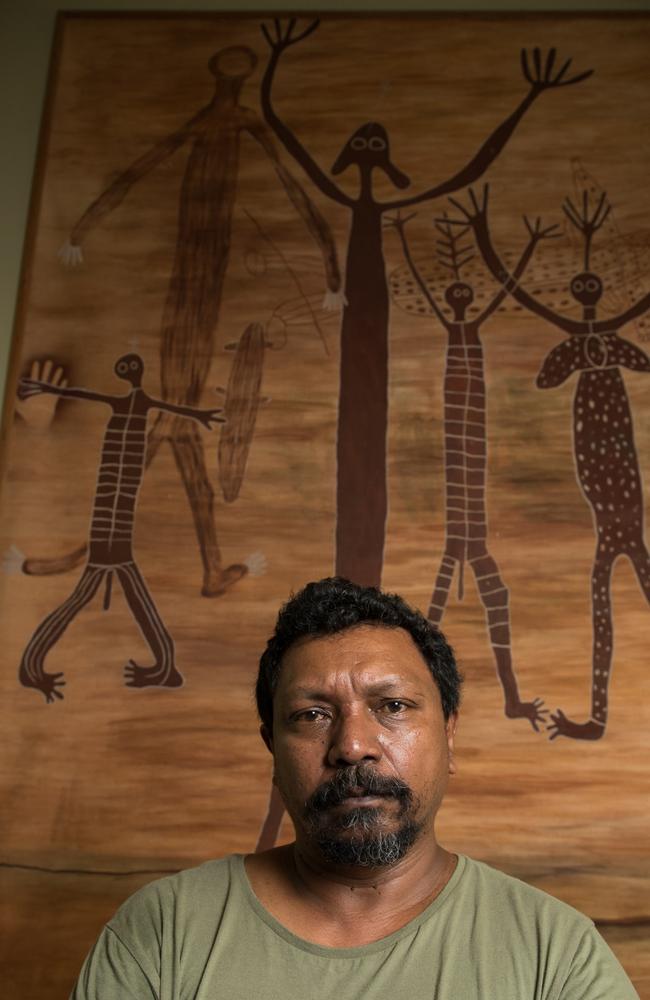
point(369, 148)
point(131, 368)
point(459, 296)
point(587, 288)
point(358, 696)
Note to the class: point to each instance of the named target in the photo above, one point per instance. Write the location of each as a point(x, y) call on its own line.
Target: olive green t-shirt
point(204, 935)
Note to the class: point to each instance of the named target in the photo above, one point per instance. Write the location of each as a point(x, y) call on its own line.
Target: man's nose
point(353, 740)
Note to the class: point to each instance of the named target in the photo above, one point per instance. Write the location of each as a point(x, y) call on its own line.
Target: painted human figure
point(466, 528)
point(110, 546)
point(361, 502)
point(605, 455)
point(191, 312)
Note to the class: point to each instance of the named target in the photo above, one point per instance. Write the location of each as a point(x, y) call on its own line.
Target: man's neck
point(339, 906)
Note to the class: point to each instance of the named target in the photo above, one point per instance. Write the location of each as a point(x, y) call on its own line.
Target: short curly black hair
point(332, 605)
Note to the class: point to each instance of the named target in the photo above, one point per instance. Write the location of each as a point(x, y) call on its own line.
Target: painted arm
point(540, 78)
point(307, 210)
point(615, 322)
point(559, 364)
point(206, 417)
point(536, 233)
point(33, 387)
point(399, 224)
point(280, 40)
point(70, 252)
point(476, 216)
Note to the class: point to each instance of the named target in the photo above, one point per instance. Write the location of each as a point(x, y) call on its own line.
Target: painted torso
point(118, 481)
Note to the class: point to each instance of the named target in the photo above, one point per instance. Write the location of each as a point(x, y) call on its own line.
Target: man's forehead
point(386, 650)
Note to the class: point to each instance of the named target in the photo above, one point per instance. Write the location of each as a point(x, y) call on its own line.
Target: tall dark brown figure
point(363, 398)
point(207, 200)
point(603, 437)
point(465, 404)
point(110, 548)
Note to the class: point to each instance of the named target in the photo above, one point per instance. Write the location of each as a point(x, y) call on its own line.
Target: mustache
point(358, 779)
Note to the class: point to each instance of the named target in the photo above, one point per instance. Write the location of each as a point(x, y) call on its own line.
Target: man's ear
point(265, 733)
point(450, 728)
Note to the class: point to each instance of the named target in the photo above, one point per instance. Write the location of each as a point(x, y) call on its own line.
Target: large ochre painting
point(366, 296)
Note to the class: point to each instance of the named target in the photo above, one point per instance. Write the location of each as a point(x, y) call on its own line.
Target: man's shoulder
point(508, 895)
point(217, 871)
point(182, 892)
point(525, 932)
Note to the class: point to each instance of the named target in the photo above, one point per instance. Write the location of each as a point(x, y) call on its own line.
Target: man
point(358, 696)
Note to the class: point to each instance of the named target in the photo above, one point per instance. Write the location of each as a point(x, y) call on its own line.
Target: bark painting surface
point(405, 419)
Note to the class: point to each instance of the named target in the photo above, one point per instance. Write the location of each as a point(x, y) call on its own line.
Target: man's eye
point(309, 715)
point(394, 707)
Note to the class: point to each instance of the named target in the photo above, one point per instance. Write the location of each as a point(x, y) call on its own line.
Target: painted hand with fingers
point(282, 35)
point(474, 214)
point(537, 233)
point(334, 301)
point(209, 417)
point(70, 254)
point(37, 398)
point(541, 74)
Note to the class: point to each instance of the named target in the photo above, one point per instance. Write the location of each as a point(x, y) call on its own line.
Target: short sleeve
point(111, 972)
point(595, 972)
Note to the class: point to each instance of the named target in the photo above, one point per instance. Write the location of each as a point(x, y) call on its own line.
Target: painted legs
point(603, 638)
point(495, 599)
point(442, 586)
point(162, 673)
point(48, 633)
point(189, 453)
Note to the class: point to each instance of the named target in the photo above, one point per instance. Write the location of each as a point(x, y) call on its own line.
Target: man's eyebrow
point(386, 686)
point(310, 694)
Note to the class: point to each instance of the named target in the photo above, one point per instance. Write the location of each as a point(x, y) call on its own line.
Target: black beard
point(356, 837)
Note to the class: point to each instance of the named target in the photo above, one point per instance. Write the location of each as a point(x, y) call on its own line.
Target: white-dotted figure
point(606, 460)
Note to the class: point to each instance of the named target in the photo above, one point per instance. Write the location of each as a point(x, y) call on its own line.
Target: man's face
point(361, 749)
